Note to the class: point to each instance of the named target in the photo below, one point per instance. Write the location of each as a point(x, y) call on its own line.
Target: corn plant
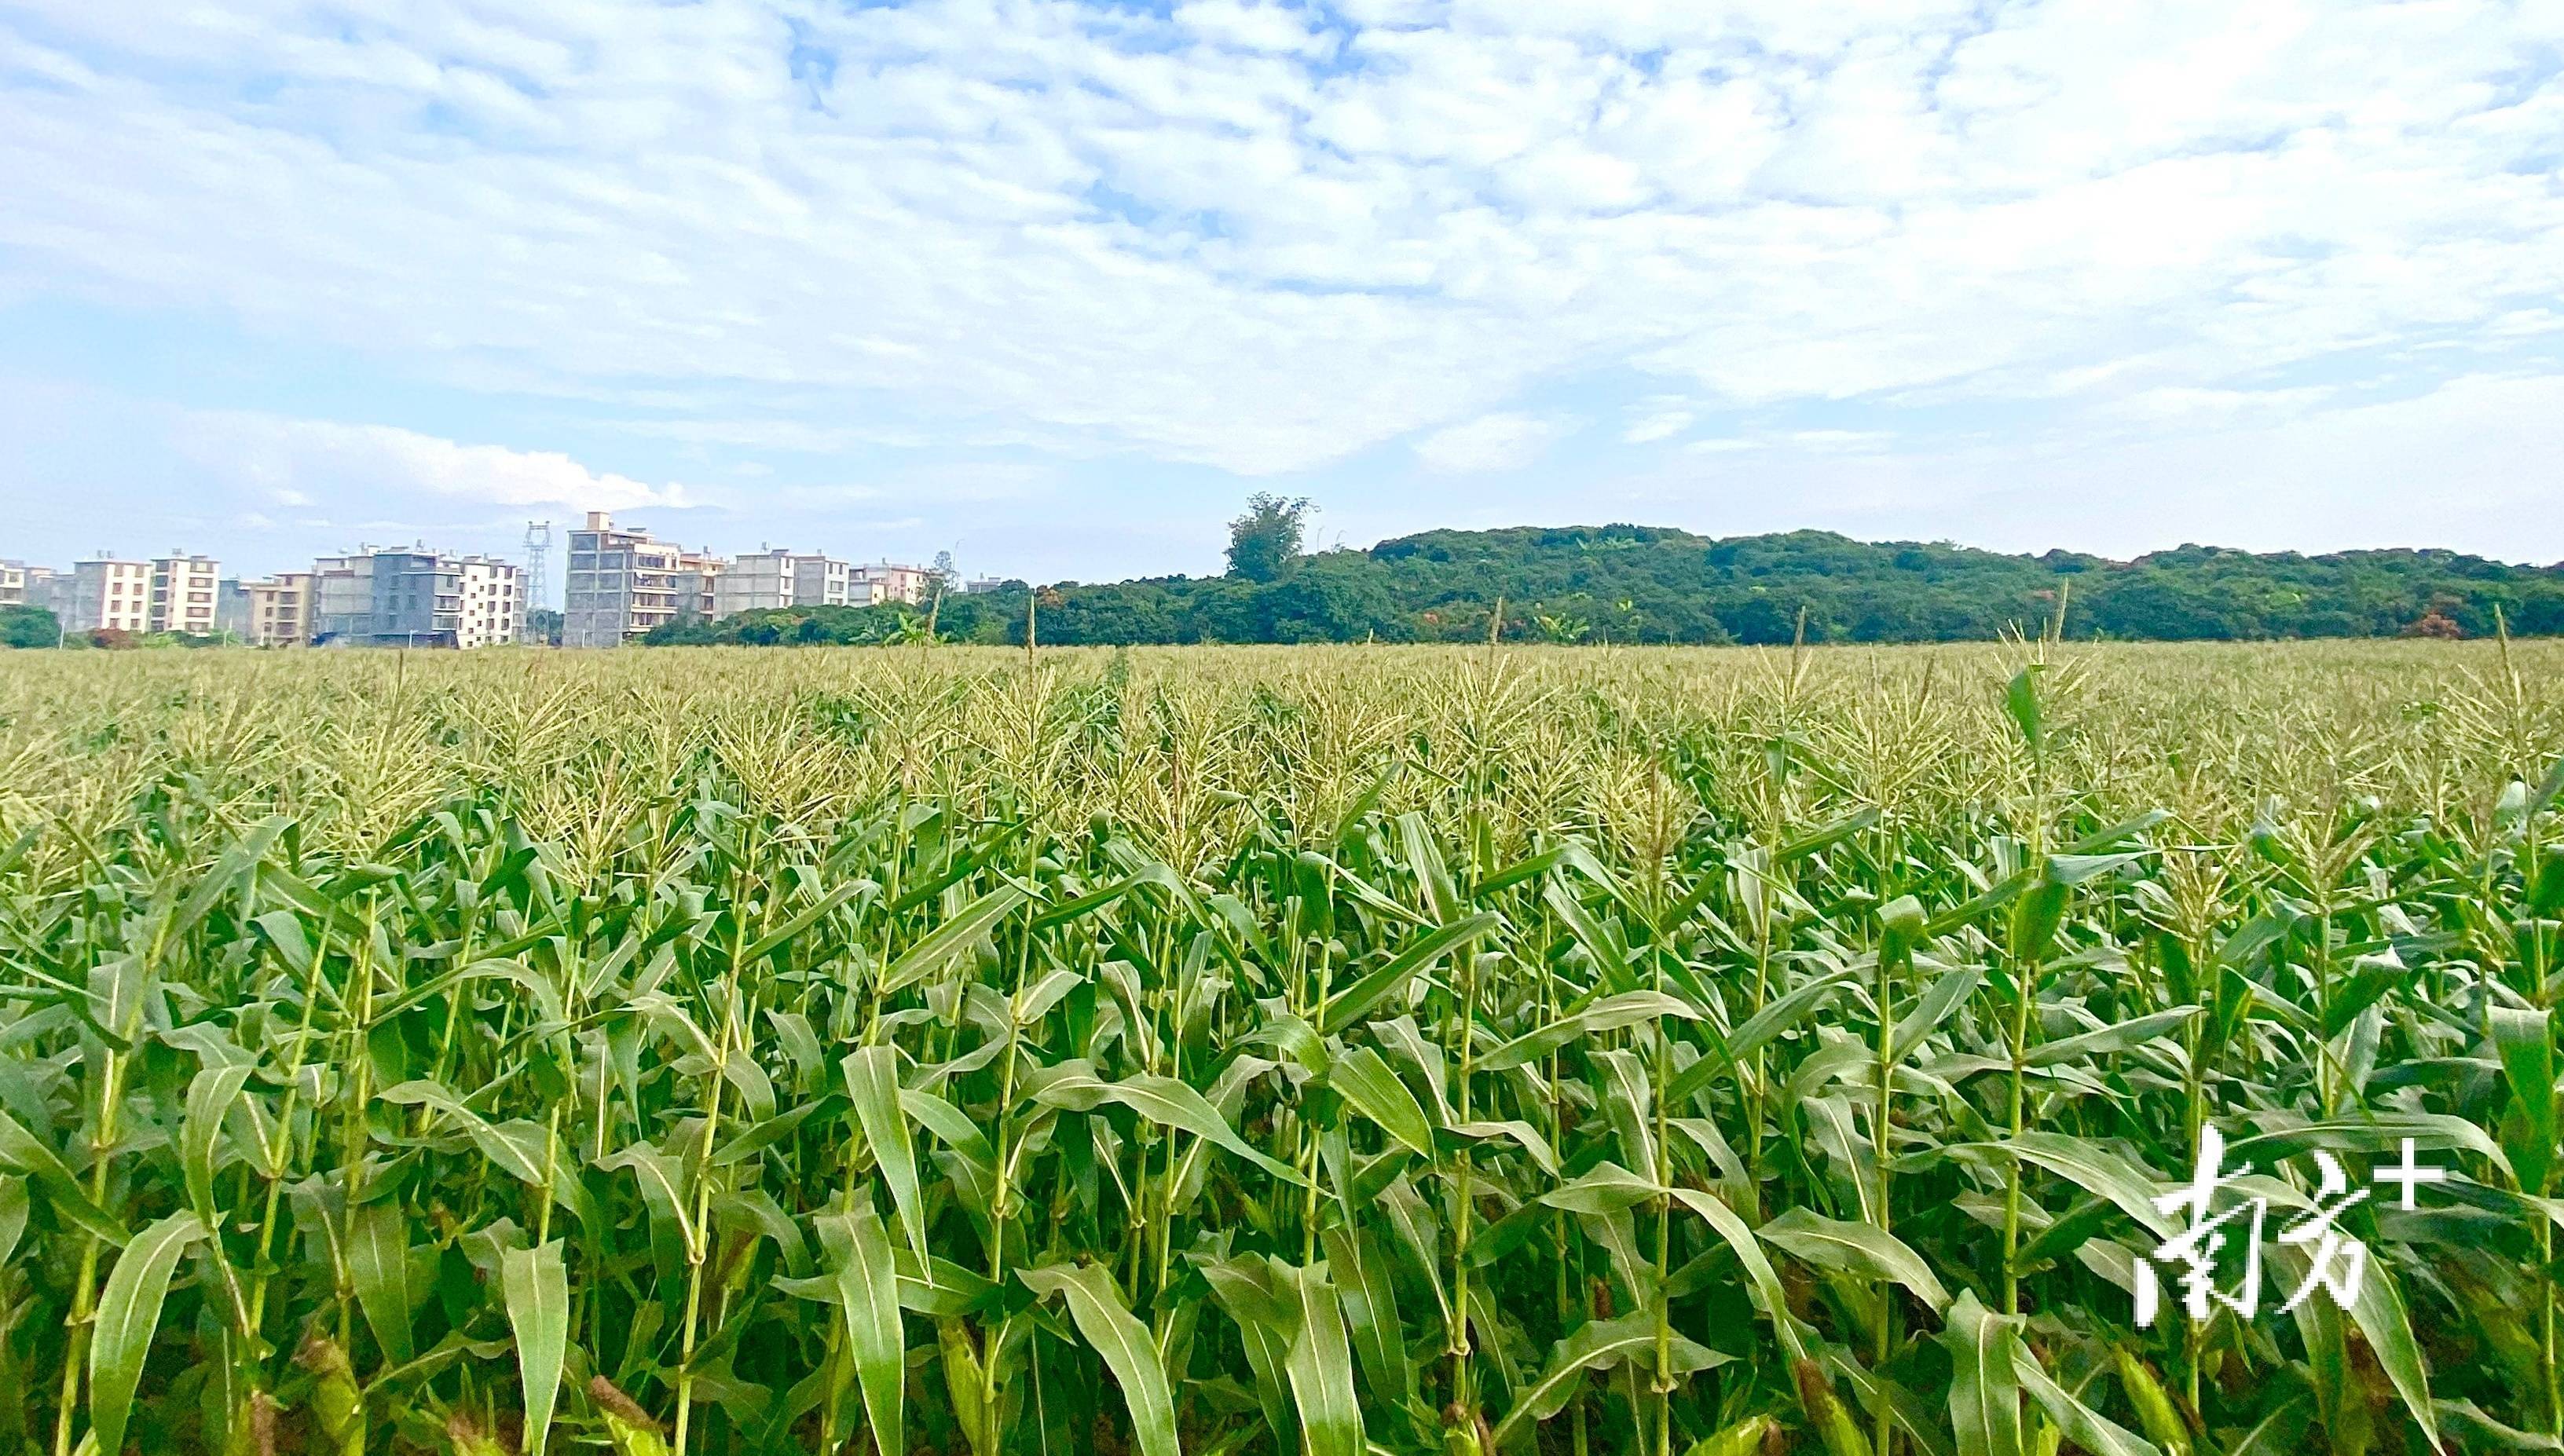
point(1314, 1050)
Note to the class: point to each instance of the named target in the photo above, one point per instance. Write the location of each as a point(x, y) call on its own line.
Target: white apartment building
point(108, 594)
point(883, 581)
point(773, 579)
point(623, 582)
point(493, 603)
point(184, 597)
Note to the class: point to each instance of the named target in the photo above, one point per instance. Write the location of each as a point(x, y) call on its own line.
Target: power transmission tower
point(539, 550)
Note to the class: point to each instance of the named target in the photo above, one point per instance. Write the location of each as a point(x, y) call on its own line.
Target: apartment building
point(883, 582)
point(428, 598)
point(494, 603)
point(43, 587)
point(184, 590)
point(412, 597)
point(273, 612)
point(342, 607)
point(622, 583)
point(773, 579)
point(108, 594)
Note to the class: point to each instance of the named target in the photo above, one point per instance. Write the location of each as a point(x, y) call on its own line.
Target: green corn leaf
point(777, 1130)
point(1346, 1007)
point(1265, 1327)
point(2378, 1310)
point(867, 1290)
point(2134, 1032)
point(951, 940)
point(1523, 1134)
point(2547, 893)
point(664, 1185)
point(1122, 1342)
point(2080, 1423)
point(953, 1290)
point(1826, 837)
point(128, 1312)
point(2375, 1134)
point(1985, 1396)
point(1598, 941)
point(1415, 845)
point(1762, 1283)
point(378, 1263)
point(2548, 788)
point(209, 1100)
point(508, 1150)
point(1365, 1082)
point(1369, 1298)
point(229, 876)
point(536, 1288)
point(2525, 1038)
point(1781, 1014)
point(1531, 866)
point(1321, 1362)
point(1413, 1223)
point(2098, 1172)
point(2020, 702)
point(1630, 1008)
point(1165, 1101)
point(1607, 1188)
point(1853, 1248)
point(23, 1151)
point(803, 918)
point(948, 1123)
point(1621, 1084)
point(1949, 990)
point(1599, 1344)
point(872, 1084)
point(13, 1215)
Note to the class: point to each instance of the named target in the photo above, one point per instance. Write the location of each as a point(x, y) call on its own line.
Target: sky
point(1055, 286)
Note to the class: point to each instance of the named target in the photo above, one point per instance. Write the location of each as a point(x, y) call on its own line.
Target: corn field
point(1324, 1050)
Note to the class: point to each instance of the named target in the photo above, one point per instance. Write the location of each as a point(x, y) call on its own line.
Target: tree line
point(1649, 584)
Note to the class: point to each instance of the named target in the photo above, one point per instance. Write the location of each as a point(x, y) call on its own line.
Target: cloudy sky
point(1054, 285)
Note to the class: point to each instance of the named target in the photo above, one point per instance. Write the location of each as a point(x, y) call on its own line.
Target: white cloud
point(294, 462)
point(1487, 443)
point(2467, 463)
point(2219, 406)
point(1660, 417)
point(1267, 238)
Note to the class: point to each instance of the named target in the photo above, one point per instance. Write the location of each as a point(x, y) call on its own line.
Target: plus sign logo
point(2409, 1177)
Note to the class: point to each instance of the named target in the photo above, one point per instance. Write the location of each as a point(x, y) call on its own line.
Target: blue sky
point(1054, 286)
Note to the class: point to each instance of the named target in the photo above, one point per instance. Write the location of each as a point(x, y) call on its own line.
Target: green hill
point(1634, 583)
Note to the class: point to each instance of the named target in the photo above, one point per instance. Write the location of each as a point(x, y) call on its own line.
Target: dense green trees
point(29, 627)
point(1632, 583)
point(1265, 542)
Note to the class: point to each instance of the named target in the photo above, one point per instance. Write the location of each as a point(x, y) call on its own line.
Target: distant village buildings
point(621, 582)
